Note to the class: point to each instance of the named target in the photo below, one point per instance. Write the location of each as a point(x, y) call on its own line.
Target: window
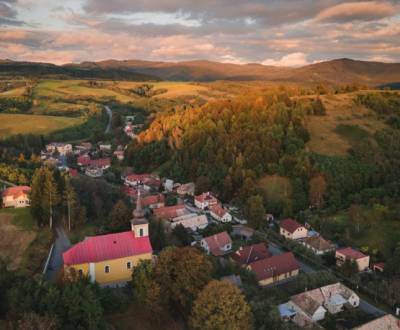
point(141, 232)
point(106, 269)
point(128, 265)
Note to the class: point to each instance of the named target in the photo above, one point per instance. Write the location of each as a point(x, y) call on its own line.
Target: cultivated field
point(12, 124)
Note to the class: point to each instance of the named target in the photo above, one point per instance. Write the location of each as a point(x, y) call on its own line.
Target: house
point(62, 148)
point(102, 163)
point(220, 214)
point(378, 267)
point(105, 147)
point(248, 254)
point(16, 196)
point(312, 306)
point(119, 154)
point(242, 232)
point(109, 259)
point(169, 185)
point(190, 221)
point(170, 212)
point(318, 244)
point(386, 322)
point(83, 160)
point(94, 171)
point(275, 269)
point(348, 253)
point(154, 201)
point(136, 179)
point(291, 229)
point(186, 189)
point(205, 200)
point(218, 244)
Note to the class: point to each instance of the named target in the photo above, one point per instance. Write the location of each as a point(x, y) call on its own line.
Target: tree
point(356, 216)
point(254, 211)
point(51, 197)
point(157, 234)
point(120, 216)
point(142, 279)
point(182, 236)
point(69, 198)
point(181, 274)
point(33, 321)
point(220, 305)
point(317, 190)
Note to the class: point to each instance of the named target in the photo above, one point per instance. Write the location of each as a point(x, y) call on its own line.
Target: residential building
point(83, 160)
point(62, 148)
point(16, 197)
point(154, 201)
point(190, 221)
point(102, 163)
point(119, 154)
point(105, 147)
point(318, 244)
point(378, 267)
point(220, 214)
point(386, 322)
point(170, 212)
point(312, 306)
point(218, 244)
point(94, 171)
point(186, 189)
point(205, 200)
point(169, 185)
point(348, 253)
point(242, 232)
point(247, 254)
point(292, 230)
point(275, 269)
point(136, 179)
point(109, 259)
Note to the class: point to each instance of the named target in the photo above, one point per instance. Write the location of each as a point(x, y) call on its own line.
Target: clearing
point(334, 133)
point(275, 188)
point(12, 124)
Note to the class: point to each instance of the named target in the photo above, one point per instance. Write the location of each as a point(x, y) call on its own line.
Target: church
point(109, 259)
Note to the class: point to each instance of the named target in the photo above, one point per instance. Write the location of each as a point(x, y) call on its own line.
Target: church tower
point(139, 224)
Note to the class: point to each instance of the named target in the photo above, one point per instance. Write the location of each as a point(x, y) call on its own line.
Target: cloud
point(292, 60)
point(362, 11)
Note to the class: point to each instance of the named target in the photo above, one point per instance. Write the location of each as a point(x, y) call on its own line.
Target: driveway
point(61, 245)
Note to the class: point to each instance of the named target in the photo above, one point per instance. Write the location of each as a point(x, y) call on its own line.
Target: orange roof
point(153, 199)
point(17, 191)
point(290, 225)
point(351, 253)
point(217, 242)
point(218, 210)
point(206, 196)
point(169, 212)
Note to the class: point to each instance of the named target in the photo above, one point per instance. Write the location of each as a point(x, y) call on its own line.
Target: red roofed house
point(291, 229)
point(351, 254)
point(136, 179)
point(170, 212)
point(102, 163)
point(154, 201)
point(248, 254)
point(218, 244)
point(16, 196)
point(109, 259)
point(386, 322)
point(220, 214)
point(83, 160)
point(275, 268)
point(205, 200)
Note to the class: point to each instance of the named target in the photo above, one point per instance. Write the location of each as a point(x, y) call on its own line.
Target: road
point(109, 113)
point(7, 183)
point(61, 244)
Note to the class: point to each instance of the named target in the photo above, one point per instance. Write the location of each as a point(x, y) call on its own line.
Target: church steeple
point(139, 223)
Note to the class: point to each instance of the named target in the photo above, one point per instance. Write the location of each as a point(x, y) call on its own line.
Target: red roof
point(138, 177)
point(290, 225)
point(83, 160)
point(218, 210)
point(73, 172)
point(248, 254)
point(169, 212)
point(206, 197)
point(153, 199)
point(217, 242)
point(17, 191)
point(351, 253)
point(100, 162)
point(274, 266)
point(132, 192)
point(107, 247)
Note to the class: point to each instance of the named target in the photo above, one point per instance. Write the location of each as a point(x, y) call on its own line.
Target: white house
point(16, 196)
point(205, 200)
point(190, 221)
point(220, 214)
point(292, 230)
point(218, 244)
point(62, 148)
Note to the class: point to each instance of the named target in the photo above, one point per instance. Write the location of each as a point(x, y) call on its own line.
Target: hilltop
point(339, 71)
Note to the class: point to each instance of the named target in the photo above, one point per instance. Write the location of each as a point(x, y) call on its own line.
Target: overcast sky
point(273, 32)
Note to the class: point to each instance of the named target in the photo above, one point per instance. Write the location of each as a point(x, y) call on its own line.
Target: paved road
point(61, 244)
point(109, 113)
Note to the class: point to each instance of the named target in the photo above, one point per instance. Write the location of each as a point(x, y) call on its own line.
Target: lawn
point(12, 124)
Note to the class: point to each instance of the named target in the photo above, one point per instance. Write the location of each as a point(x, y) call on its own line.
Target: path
point(109, 113)
point(61, 244)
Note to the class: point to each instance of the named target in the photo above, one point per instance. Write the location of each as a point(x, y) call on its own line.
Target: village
point(274, 254)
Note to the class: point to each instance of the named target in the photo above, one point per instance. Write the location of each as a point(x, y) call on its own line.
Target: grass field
point(14, 92)
point(275, 188)
point(344, 123)
point(12, 124)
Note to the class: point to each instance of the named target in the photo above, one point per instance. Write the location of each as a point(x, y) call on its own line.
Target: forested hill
point(340, 71)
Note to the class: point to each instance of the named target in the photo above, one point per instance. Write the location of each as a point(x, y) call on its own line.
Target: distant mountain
point(338, 71)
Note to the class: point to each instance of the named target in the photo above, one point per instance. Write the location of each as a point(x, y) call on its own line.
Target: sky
point(271, 32)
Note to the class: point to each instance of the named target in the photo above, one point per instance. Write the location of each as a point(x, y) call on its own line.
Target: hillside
point(340, 71)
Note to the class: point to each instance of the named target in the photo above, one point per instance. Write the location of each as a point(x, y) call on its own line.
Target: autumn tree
point(317, 190)
point(182, 273)
point(120, 216)
point(254, 211)
point(220, 305)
